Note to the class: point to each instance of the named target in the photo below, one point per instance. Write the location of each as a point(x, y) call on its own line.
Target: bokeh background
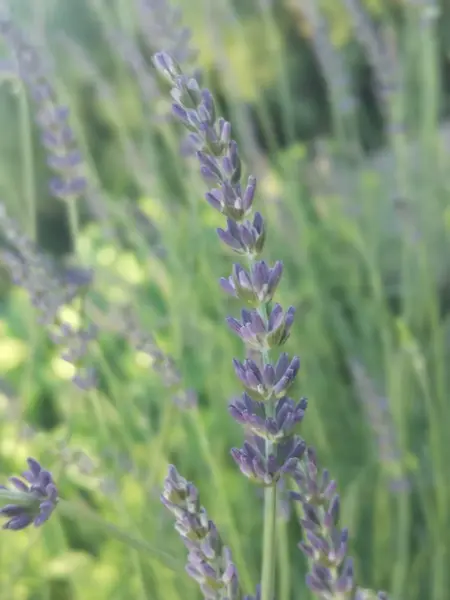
point(341, 110)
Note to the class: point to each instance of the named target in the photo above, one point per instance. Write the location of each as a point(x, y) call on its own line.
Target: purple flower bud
point(42, 498)
point(165, 64)
point(259, 335)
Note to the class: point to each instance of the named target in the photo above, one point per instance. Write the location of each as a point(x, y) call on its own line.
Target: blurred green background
point(356, 194)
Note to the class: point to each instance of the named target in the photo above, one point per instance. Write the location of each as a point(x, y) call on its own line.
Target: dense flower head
point(260, 334)
point(256, 286)
point(209, 560)
point(39, 497)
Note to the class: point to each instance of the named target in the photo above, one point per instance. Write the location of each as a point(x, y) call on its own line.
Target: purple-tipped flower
point(230, 200)
point(268, 381)
point(256, 286)
point(247, 238)
point(209, 560)
point(260, 335)
point(38, 499)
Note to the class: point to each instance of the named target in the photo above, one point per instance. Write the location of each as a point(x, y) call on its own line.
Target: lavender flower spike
point(272, 450)
point(57, 137)
point(331, 573)
point(209, 560)
point(42, 498)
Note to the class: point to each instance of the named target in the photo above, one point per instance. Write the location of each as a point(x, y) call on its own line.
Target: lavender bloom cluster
point(209, 562)
point(50, 289)
point(38, 500)
point(52, 119)
point(269, 416)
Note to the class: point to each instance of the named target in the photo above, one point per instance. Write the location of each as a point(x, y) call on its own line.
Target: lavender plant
point(273, 449)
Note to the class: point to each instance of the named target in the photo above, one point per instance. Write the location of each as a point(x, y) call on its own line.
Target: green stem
point(269, 553)
point(27, 163)
point(270, 506)
point(28, 176)
point(283, 560)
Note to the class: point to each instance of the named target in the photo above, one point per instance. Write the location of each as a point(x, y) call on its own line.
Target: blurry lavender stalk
point(36, 501)
point(162, 27)
point(132, 56)
point(63, 157)
point(209, 561)
point(161, 363)
point(325, 544)
point(381, 52)
point(50, 290)
point(380, 420)
point(329, 58)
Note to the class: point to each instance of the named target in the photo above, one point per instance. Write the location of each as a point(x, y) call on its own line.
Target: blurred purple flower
point(37, 502)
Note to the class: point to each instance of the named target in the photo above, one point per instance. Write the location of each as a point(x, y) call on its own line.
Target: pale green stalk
point(283, 560)
point(28, 177)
